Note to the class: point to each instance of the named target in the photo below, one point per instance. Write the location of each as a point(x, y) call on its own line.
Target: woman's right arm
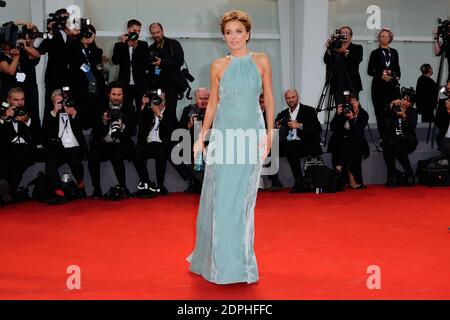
point(213, 99)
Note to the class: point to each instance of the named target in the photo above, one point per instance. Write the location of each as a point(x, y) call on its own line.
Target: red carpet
point(308, 247)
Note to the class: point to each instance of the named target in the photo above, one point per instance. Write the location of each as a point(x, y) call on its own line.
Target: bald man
point(299, 134)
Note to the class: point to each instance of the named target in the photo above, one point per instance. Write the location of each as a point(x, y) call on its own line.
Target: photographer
point(427, 94)
point(111, 141)
point(21, 73)
point(167, 58)
point(57, 47)
point(86, 80)
point(400, 137)
point(348, 144)
point(21, 138)
point(442, 118)
point(299, 135)
point(441, 36)
point(155, 142)
point(384, 67)
point(65, 143)
point(342, 59)
point(131, 54)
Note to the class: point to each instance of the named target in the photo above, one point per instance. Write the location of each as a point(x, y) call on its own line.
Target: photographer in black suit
point(400, 137)
point(348, 144)
point(427, 93)
point(86, 80)
point(155, 133)
point(57, 47)
point(20, 139)
point(342, 59)
point(18, 63)
point(299, 135)
point(442, 122)
point(132, 56)
point(111, 140)
point(64, 143)
point(167, 58)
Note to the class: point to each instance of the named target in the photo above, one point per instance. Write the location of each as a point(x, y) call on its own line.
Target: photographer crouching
point(400, 137)
point(20, 140)
point(111, 141)
point(64, 144)
point(348, 144)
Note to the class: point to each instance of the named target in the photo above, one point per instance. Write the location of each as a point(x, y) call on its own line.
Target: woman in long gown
point(223, 251)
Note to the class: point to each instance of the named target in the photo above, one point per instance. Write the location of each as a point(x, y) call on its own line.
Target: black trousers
point(153, 150)
point(350, 158)
point(117, 153)
point(445, 147)
point(397, 149)
point(56, 158)
point(294, 151)
point(383, 93)
point(15, 161)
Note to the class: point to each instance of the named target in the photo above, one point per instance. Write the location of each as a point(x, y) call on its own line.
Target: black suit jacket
point(140, 63)
point(31, 134)
point(172, 59)
point(355, 134)
point(409, 128)
point(79, 83)
point(339, 81)
point(56, 74)
point(167, 125)
point(311, 128)
point(51, 130)
point(427, 93)
point(100, 129)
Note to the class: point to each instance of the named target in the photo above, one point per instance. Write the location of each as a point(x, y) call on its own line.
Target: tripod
point(328, 96)
point(438, 82)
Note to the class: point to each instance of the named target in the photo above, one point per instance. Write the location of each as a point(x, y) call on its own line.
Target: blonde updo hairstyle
point(391, 34)
point(236, 15)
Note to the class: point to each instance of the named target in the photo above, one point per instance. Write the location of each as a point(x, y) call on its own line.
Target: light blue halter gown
point(223, 251)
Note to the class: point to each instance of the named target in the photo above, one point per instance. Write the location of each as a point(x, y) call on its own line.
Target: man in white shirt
point(65, 144)
point(299, 135)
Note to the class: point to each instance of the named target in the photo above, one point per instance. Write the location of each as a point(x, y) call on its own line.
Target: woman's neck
point(240, 52)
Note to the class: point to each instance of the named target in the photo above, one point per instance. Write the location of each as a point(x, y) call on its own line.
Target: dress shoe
point(410, 182)
point(97, 194)
point(276, 184)
point(193, 188)
point(391, 182)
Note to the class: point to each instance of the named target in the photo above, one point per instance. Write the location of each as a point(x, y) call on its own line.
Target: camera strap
point(64, 118)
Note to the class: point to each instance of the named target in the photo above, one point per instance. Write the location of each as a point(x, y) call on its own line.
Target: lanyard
point(387, 61)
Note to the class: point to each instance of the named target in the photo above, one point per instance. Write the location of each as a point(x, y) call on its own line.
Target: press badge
point(85, 68)
point(20, 77)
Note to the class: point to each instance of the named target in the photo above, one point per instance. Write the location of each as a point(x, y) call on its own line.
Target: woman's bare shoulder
point(261, 57)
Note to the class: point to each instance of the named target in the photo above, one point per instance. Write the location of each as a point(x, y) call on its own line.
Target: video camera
point(445, 92)
point(443, 29)
point(11, 34)
point(336, 40)
point(59, 20)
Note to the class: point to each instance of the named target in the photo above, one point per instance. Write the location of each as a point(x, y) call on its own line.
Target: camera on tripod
point(336, 40)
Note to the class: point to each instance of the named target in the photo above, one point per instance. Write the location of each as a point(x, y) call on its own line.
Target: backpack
point(433, 172)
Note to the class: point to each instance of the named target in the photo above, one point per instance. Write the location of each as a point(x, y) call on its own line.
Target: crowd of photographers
point(143, 103)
